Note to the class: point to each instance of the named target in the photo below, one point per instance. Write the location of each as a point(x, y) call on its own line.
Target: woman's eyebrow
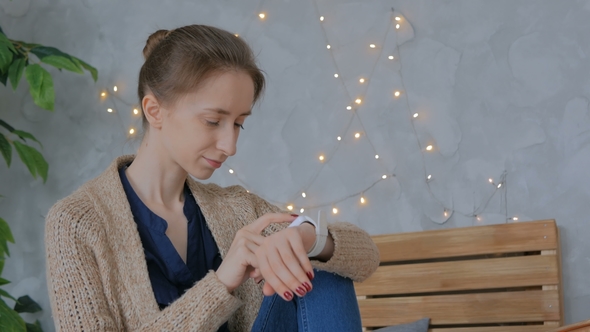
point(224, 112)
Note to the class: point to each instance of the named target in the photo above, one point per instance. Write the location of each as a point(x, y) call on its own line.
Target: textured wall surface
point(501, 87)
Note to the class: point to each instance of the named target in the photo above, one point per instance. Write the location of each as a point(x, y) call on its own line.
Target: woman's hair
point(178, 61)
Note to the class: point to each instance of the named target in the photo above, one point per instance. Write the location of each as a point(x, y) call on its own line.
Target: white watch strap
point(321, 233)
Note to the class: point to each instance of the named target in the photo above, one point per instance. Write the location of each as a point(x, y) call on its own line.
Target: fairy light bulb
point(363, 200)
point(362, 80)
point(231, 171)
point(429, 148)
point(135, 111)
point(110, 110)
point(262, 16)
point(349, 107)
point(302, 210)
point(429, 177)
point(322, 158)
point(339, 138)
point(131, 131)
point(358, 101)
point(303, 195)
point(391, 57)
point(237, 35)
point(372, 46)
point(415, 115)
point(328, 46)
point(357, 135)
point(336, 75)
point(290, 207)
point(376, 156)
point(103, 94)
point(499, 185)
point(515, 218)
point(491, 180)
point(397, 93)
point(397, 26)
point(334, 210)
point(446, 213)
point(397, 18)
point(384, 176)
point(115, 88)
point(478, 218)
point(321, 18)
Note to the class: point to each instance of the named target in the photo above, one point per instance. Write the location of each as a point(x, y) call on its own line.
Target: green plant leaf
point(4, 281)
point(5, 149)
point(11, 321)
point(6, 125)
point(33, 159)
point(88, 67)
point(34, 327)
point(41, 86)
point(43, 51)
point(3, 78)
point(15, 72)
point(1, 264)
point(5, 233)
point(62, 62)
point(6, 294)
point(26, 304)
point(5, 57)
point(24, 135)
point(6, 42)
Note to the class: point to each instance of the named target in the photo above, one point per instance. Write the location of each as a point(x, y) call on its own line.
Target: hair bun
point(153, 40)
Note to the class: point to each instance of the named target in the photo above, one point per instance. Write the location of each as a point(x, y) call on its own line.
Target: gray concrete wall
point(500, 86)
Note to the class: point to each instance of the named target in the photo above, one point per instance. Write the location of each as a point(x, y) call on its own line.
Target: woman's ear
point(152, 111)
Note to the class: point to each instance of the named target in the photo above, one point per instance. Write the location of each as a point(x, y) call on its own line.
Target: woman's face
point(202, 129)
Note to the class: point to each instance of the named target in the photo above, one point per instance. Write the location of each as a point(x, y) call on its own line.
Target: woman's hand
point(240, 261)
point(283, 262)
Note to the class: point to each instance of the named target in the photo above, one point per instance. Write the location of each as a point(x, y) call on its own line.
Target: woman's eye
point(213, 124)
point(241, 126)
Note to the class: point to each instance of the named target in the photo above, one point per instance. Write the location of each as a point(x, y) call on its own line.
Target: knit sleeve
point(79, 296)
point(355, 254)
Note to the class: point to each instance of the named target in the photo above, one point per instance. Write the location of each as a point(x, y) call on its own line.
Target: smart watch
point(321, 233)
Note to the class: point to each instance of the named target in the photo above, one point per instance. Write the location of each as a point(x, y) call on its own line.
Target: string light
point(446, 213)
point(349, 107)
point(429, 177)
point(358, 101)
point(103, 94)
point(362, 80)
point(372, 46)
point(303, 195)
point(262, 16)
point(390, 57)
point(397, 93)
point(397, 18)
point(376, 156)
point(429, 148)
point(131, 131)
point(135, 111)
point(515, 218)
point(415, 115)
point(384, 176)
point(363, 200)
point(290, 207)
point(302, 210)
point(115, 88)
point(339, 138)
point(334, 210)
point(321, 18)
point(499, 185)
point(357, 135)
point(491, 180)
point(110, 110)
point(237, 35)
point(231, 171)
point(321, 158)
point(336, 75)
point(478, 218)
point(328, 46)
point(397, 26)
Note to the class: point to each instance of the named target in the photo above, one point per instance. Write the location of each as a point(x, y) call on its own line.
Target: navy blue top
point(169, 275)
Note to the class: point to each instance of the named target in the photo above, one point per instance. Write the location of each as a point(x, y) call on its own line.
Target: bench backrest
point(503, 277)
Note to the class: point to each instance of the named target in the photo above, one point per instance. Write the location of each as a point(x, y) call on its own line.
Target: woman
point(144, 247)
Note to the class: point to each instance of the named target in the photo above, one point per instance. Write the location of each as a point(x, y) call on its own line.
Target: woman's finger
point(261, 223)
point(301, 254)
point(272, 280)
point(283, 272)
point(293, 264)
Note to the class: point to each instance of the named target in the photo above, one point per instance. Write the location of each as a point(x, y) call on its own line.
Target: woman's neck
point(155, 177)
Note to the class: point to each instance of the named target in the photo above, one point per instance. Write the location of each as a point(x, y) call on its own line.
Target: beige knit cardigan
point(97, 273)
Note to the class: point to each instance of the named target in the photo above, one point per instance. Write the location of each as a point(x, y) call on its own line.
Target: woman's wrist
point(308, 234)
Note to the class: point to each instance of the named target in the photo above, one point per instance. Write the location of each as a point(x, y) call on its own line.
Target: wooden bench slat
point(468, 241)
point(521, 328)
point(493, 273)
point(504, 307)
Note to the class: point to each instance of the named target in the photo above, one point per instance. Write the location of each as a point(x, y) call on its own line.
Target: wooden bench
point(477, 279)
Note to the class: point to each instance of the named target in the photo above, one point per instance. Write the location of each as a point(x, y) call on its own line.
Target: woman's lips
point(213, 163)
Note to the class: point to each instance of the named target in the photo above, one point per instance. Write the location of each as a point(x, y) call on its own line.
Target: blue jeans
point(330, 306)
